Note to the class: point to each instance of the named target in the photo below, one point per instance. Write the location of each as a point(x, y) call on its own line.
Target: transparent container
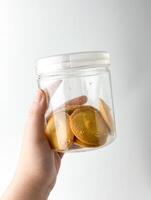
point(80, 114)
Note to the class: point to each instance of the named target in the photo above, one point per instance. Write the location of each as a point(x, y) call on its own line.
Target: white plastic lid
point(63, 63)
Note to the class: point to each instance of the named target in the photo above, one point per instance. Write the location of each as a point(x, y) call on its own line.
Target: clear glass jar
point(80, 112)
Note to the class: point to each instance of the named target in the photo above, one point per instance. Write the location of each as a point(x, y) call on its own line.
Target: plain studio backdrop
point(30, 29)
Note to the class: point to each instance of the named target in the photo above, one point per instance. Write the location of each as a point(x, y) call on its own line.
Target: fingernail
point(38, 96)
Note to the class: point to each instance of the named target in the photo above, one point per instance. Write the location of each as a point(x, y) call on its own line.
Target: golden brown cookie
point(82, 144)
point(69, 109)
point(69, 105)
point(102, 141)
point(88, 125)
point(58, 131)
point(106, 114)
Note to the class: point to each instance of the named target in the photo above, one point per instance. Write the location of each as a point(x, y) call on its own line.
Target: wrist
point(26, 188)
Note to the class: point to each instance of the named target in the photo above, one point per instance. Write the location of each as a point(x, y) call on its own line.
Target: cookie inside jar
point(79, 126)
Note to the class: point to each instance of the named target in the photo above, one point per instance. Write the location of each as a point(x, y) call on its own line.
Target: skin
point(38, 165)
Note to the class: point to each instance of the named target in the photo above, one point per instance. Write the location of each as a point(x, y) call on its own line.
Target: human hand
point(38, 165)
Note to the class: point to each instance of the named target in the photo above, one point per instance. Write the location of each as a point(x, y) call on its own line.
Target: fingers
point(76, 101)
point(35, 121)
point(58, 156)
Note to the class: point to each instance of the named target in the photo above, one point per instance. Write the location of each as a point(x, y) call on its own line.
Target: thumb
point(36, 119)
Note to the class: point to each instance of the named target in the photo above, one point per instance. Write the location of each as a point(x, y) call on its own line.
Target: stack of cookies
point(79, 125)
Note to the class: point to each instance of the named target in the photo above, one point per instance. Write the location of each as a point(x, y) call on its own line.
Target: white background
point(30, 29)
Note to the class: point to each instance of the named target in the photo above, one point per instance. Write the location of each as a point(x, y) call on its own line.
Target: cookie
point(88, 125)
point(59, 132)
point(82, 144)
point(106, 114)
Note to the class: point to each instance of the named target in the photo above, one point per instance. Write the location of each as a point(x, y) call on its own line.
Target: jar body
point(80, 113)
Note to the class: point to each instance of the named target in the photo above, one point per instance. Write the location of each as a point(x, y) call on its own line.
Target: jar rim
point(66, 62)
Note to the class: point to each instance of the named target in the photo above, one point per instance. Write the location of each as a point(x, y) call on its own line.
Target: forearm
point(26, 190)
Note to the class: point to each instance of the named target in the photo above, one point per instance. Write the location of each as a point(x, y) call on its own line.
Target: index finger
point(76, 101)
point(73, 102)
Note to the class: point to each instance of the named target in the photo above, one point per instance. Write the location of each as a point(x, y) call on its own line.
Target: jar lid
point(66, 62)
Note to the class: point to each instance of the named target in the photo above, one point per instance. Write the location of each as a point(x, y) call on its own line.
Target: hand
point(38, 165)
